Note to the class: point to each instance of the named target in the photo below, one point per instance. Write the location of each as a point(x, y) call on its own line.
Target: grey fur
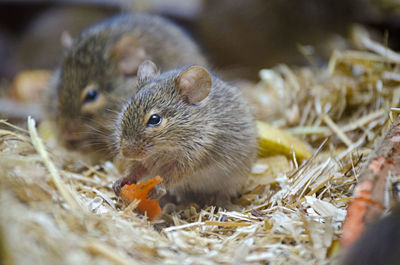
point(205, 150)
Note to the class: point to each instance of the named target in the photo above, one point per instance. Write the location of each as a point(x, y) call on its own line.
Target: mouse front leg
point(135, 173)
point(157, 192)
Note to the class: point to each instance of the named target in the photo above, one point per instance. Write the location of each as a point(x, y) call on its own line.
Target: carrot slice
point(150, 207)
point(369, 197)
point(140, 192)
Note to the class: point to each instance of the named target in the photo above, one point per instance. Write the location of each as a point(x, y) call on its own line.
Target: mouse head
point(166, 114)
point(92, 78)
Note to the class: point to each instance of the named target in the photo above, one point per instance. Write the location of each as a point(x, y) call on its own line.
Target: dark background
point(239, 37)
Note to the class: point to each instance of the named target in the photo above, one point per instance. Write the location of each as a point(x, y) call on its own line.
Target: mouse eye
point(91, 96)
point(155, 120)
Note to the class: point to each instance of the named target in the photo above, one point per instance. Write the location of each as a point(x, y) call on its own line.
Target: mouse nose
point(70, 133)
point(72, 143)
point(129, 152)
point(71, 140)
point(132, 151)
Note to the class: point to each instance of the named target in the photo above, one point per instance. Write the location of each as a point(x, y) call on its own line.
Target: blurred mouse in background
point(98, 73)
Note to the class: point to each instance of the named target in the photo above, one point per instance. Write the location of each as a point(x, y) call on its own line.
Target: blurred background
point(239, 37)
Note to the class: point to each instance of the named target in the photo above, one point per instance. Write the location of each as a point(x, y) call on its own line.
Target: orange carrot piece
point(368, 202)
point(140, 192)
point(150, 207)
point(359, 205)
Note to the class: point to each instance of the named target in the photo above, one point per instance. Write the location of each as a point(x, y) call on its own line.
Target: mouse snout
point(72, 144)
point(72, 140)
point(71, 135)
point(132, 151)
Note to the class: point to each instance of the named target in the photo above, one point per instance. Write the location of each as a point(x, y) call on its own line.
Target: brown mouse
point(192, 129)
point(101, 65)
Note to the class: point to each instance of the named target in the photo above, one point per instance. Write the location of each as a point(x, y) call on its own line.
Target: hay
point(55, 208)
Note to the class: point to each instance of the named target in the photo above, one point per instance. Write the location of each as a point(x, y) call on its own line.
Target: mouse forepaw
point(157, 192)
point(119, 183)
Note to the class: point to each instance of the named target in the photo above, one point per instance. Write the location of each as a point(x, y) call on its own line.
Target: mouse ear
point(66, 40)
point(128, 54)
point(146, 71)
point(194, 84)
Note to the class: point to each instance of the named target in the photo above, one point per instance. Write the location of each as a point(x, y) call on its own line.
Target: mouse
point(99, 66)
point(191, 128)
